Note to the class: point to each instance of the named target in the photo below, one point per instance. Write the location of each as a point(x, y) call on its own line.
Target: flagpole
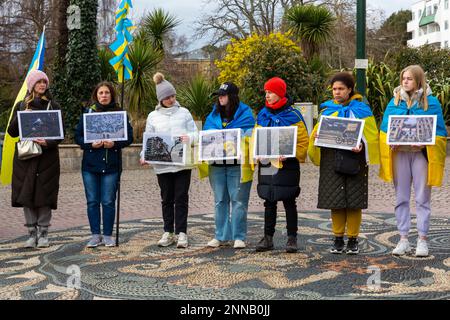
point(120, 173)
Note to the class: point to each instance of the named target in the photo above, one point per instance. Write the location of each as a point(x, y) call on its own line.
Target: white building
point(430, 23)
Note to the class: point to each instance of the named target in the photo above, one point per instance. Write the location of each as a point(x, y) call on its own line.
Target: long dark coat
point(339, 191)
point(35, 182)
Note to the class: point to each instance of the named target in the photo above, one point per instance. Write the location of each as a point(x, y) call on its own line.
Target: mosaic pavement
point(139, 269)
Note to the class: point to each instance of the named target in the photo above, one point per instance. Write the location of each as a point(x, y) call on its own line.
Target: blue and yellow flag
point(9, 144)
point(121, 62)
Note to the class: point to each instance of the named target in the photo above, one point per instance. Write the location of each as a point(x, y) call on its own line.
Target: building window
point(446, 4)
point(429, 11)
point(446, 44)
point(435, 9)
point(420, 13)
point(446, 25)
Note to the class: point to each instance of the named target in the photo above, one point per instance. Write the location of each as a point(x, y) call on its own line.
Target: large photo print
point(220, 145)
point(37, 124)
point(274, 142)
point(412, 130)
point(105, 126)
point(164, 149)
point(339, 133)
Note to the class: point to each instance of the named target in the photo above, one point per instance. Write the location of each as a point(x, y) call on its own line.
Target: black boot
point(338, 245)
point(352, 246)
point(265, 244)
point(291, 245)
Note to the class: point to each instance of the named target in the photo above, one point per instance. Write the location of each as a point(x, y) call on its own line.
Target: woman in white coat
point(174, 180)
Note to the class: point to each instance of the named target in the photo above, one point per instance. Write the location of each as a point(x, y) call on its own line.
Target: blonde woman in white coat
point(174, 180)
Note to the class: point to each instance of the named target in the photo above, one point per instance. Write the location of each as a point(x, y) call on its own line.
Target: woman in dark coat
point(35, 182)
point(101, 168)
point(279, 178)
point(343, 181)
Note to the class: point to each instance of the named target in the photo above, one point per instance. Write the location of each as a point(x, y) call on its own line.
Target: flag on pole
point(9, 143)
point(121, 62)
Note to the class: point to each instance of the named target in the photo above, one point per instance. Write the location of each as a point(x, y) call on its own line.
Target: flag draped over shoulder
point(121, 62)
point(9, 143)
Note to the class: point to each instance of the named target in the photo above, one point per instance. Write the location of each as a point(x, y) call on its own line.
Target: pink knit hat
point(33, 77)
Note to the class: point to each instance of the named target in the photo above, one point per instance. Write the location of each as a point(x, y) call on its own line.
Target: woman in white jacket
point(174, 180)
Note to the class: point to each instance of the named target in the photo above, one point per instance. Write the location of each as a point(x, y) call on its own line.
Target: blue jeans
point(101, 188)
point(225, 182)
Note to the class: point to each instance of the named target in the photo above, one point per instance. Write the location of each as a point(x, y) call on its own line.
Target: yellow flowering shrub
point(250, 62)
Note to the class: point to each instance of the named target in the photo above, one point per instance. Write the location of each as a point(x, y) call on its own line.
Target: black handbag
point(347, 162)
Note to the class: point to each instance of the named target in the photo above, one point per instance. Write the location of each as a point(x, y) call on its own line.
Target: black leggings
point(270, 217)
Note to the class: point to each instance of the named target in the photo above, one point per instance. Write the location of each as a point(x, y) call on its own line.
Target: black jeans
point(270, 217)
point(175, 199)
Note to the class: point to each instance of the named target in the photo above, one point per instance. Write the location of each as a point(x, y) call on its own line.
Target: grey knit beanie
point(164, 88)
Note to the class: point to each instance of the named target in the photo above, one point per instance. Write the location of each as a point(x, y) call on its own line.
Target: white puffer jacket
point(175, 120)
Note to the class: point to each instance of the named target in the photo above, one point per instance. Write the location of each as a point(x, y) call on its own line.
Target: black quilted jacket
point(339, 191)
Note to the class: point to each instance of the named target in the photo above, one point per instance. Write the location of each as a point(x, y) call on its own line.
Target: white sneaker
point(182, 240)
point(422, 248)
point(43, 239)
point(402, 248)
point(214, 243)
point(239, 244)
point(166, 240)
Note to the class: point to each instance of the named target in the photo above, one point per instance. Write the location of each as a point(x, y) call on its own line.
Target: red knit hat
point(277, 86)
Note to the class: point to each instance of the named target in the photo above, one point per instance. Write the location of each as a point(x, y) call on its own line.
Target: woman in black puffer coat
point(35, 182)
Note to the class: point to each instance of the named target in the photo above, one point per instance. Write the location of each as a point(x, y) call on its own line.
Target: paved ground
point(140, 199)
point(139, 269)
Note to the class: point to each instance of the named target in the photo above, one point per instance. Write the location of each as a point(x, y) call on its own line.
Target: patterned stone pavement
point(140, 199)
point(139, 269)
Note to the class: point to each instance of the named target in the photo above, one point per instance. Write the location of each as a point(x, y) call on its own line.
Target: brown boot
point(291, 245)
point(265, 244)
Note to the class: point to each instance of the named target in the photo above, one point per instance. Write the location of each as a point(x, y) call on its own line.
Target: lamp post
point(361, 63)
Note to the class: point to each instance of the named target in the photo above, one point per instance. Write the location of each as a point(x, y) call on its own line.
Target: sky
point(188, 11)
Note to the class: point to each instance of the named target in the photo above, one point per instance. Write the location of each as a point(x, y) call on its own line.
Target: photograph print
point(411, 130)
point(164, 149)
point(105, 126)
point(220, 145)
point(40, 124)
point(339, 133)
point(274, 142)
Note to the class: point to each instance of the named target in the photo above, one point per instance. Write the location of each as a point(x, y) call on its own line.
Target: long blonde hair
point(421, 82)
point(31, 97)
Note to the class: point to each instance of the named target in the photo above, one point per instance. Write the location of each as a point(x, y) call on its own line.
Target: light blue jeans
point(225, 182)
point(101, 189)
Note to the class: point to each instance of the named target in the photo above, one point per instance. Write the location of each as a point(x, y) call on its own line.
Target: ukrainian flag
point(9, 144)
point(121, 62)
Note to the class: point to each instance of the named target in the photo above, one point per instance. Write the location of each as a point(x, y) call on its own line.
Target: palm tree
point(144, 59)
point(312, 25)
point(156, 26)
point(196, 96)
point(106, 69)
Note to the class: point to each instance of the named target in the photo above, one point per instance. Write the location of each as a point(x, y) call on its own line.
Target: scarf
point(277, 105)
point(286, 117)
point(243, 119)
point(359, 109)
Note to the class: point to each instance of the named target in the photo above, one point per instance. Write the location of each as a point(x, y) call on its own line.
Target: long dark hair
point(347, 79)
point(233, 104)
point(111, 90)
